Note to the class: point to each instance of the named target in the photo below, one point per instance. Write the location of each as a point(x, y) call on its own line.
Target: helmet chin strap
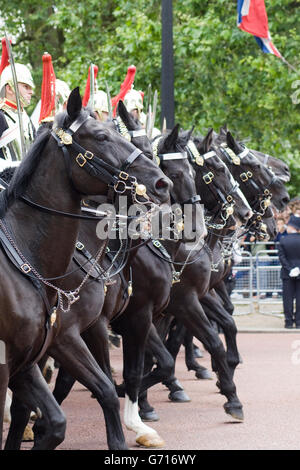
point(24, 101)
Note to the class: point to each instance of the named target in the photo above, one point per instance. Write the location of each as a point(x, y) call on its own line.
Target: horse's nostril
point(162, 184)
point(285, 200)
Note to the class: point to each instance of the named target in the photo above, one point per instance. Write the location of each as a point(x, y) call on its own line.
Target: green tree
point(221, 76)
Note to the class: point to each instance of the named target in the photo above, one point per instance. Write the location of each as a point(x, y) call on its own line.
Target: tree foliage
point(221, 76)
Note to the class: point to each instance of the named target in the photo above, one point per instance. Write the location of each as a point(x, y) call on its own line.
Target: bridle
point(117, 179)
point(163, 157)
point(125, 132)
point(227, 202)
point(262, 196)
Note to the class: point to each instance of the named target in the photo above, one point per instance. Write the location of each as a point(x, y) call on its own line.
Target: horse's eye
point(101, 137)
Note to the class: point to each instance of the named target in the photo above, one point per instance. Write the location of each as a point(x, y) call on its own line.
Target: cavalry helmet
point(133, 100)
point(23, 76)
point(100, 102)
point(62, 90)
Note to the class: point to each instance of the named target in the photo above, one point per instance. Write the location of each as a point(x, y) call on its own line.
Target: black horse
point(216, 303)
point(133, 327)
point(61, 167)
point(213, 171)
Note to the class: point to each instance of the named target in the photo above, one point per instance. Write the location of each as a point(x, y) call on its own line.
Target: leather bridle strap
point(131, 159)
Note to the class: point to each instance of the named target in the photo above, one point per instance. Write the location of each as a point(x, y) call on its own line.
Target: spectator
point(289, 256)
point(281, 229)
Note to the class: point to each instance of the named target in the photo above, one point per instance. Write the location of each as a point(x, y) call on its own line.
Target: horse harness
point(117, 180)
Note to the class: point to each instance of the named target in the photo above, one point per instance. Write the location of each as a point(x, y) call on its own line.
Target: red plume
point(87, 92)
point(4, 57)
point(124, 88)
point(48, 88)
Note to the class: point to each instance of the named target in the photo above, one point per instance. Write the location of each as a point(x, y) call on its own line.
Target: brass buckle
point(89, 155)
point(80, 160)
point(244, 177)
point(123, 175)
point(156, 243)
point(229, 198)
point(79, 246)
point(208, 177)
point(26, 268)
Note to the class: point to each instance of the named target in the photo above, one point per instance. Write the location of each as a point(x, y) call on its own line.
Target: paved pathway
point(268, 384)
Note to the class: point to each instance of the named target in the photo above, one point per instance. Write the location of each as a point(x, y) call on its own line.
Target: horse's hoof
point(203, 374)
point(149, 415)
point(236, 411)
point(150, 440)
point(179, 396)
point(28, 435)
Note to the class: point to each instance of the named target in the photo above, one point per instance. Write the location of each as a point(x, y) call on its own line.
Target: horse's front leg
point(192, 315)
point(31, 393)
point(190, 359)
point(214, 310)
point(134, 328)
point(72, 353)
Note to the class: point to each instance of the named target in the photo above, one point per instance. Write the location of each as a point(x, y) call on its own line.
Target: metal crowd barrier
point(258, 285)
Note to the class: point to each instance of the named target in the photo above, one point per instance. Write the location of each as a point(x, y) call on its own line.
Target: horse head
point(103, 154)
point(133, 130)
point(219, 192)
point(170, 152)
point(257, 182)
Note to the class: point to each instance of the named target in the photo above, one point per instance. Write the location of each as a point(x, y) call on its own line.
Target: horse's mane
point(24, 172)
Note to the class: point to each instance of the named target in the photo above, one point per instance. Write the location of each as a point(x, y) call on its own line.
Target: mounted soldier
point(101, 105)
point(134, 104)
point(11, 145)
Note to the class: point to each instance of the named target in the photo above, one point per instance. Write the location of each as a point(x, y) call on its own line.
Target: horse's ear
point(231, 142)
point(207, 141)
point(74, 104)
point(189, 133)
point(223, 130)
point(126, 117)
point(172, 138)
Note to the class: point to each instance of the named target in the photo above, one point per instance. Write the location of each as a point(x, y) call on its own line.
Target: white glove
point(294, 272)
